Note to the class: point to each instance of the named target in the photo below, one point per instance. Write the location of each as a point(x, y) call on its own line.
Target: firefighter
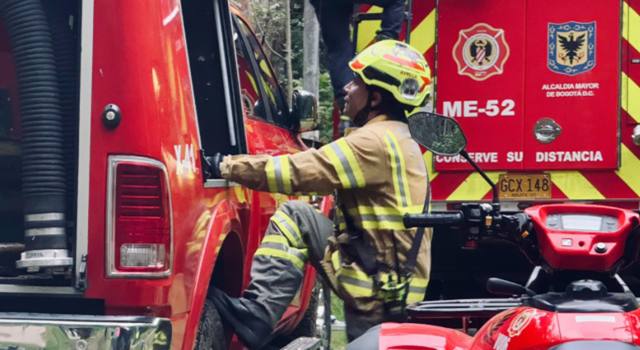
point(334, 17)
point(379, 175)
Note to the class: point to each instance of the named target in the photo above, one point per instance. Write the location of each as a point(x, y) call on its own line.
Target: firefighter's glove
point(213, 165)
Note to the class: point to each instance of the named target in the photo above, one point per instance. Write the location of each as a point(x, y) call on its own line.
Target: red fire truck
point(112, 227)
point(548, 95)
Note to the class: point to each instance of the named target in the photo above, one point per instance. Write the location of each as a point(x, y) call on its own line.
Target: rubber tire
point(211, 334)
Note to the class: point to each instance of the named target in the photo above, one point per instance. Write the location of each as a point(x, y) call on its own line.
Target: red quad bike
point(574, 298)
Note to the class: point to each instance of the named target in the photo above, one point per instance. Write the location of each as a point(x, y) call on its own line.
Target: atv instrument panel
point(581, 237)
point(582, 222)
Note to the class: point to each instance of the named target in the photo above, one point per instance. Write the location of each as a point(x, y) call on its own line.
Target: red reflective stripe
point(629, 52)
point(556, 193)
point(609, 184)
point(404, 62)
point(357, 65)
point(425, 82)
point(445, 183)
point(634, 4)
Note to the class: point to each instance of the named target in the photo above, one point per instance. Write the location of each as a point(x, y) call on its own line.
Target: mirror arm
point(486, 178)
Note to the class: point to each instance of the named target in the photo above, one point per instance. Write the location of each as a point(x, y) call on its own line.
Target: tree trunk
point(311, 58)
point(287, 5)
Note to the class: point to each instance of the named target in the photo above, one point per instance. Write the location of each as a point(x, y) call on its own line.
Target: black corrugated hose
point(43, 161)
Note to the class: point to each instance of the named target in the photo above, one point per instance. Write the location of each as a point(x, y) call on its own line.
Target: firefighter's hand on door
point(212, 165)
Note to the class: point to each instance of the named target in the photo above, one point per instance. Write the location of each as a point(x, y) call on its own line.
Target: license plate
point(524, 186)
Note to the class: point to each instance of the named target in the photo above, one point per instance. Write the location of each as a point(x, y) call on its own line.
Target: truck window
point(207, 40)
point(272, 90)
point(253, 101)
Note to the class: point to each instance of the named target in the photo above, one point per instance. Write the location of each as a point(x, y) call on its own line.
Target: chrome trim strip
point(84, 139)
point(113, 162)
point(220, 183)
point(44, 217)
point(84, 332)
point(37, 290)
point(44, 231)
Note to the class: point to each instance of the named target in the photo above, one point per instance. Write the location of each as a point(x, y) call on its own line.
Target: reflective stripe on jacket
point(379, 173)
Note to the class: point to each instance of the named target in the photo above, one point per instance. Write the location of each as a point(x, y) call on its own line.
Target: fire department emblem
point(571, 47)
point(481, 51)
point(520, 322)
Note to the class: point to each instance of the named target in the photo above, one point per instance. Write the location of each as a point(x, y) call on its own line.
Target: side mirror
point(304, 111)
point(439, 134)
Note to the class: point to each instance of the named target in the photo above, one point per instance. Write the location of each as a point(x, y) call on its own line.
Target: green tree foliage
point(268, 19)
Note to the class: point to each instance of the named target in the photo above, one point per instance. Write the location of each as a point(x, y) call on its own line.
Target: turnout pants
point(335, 18)
point(297, 233)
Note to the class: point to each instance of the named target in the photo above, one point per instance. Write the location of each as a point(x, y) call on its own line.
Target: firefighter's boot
point(276, 272)
point(247, 318)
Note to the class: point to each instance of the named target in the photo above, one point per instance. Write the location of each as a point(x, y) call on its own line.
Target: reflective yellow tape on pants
point(279, 242)
point(417, 290)
point(278, 253)
point(288, 228)
point(354, 281)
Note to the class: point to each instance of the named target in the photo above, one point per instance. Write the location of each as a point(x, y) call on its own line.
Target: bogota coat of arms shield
point(571, 47)
point(481, 51)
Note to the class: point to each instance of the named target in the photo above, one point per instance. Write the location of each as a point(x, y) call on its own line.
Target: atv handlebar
point(427, 220)
point(476, 220)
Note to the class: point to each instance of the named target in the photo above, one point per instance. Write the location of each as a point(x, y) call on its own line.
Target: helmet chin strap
point(362, 117)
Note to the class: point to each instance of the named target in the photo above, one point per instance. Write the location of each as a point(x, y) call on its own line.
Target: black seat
point(595, 345)
point(584, 296)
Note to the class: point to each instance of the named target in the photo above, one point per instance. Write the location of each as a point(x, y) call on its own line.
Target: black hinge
point(81, 283)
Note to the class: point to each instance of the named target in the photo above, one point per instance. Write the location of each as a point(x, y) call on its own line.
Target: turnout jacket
point(379, 174)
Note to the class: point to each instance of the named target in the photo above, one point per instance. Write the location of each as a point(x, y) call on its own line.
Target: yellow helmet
point(397, 68)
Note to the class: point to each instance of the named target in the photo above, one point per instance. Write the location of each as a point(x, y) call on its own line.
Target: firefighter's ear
point(375, 99)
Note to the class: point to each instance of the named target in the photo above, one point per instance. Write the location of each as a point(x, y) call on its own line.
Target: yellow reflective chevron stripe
point(423, 36)
point(628, 171)
point(288, 228)
point(631, 97)
point(574, 185)
point(417, 290)
point(345, 163)
point(474, 187)
point(278, 171)
point(631, 26)
point(398, 169)
point(367, 30)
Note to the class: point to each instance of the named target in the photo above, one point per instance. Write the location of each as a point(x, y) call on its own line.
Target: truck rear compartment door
point(535, 84)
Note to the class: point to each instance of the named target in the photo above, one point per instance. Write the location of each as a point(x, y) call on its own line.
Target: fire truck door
point(572, 85)
point(534, 84)
point(480, 79)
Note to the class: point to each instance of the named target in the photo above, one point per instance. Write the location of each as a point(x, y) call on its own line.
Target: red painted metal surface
point(528, 328)
point(419, 336)
point(510, 84)
point(145, 72)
